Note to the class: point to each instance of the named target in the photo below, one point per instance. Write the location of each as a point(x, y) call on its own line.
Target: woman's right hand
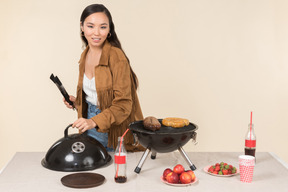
point(73, 99)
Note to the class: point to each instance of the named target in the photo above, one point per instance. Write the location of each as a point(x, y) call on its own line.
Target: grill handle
point(66, 130)
point(194, 136)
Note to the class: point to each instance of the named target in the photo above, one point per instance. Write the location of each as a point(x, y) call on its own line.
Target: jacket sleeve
point(121, 106)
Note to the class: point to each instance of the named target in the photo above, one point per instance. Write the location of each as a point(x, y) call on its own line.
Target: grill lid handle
point(66, 130)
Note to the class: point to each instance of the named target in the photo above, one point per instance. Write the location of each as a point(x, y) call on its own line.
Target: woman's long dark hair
point(113, 39)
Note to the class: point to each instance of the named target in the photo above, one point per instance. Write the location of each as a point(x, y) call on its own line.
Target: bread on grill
point(175, 122)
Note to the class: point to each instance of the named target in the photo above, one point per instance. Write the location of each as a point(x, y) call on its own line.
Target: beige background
point(211, 61)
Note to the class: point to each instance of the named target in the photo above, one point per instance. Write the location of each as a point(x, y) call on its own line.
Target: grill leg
point(184, 155)
point(142, 160)
point(153, 155)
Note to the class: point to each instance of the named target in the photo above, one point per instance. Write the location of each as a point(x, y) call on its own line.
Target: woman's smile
point(96, 40)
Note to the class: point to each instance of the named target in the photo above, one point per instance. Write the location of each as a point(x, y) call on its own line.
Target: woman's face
point(96, 29)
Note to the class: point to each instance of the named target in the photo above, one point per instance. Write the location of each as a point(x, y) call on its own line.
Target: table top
point(25, 173)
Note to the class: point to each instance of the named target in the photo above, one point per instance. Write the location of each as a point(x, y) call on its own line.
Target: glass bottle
point(250, 141)
point(120, 162)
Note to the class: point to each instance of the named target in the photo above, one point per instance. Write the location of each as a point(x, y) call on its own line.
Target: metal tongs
point(57, 81)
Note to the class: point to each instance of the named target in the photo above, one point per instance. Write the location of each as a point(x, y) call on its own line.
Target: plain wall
point(211, 61)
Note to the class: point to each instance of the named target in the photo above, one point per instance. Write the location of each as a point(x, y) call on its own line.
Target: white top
point(89, 88)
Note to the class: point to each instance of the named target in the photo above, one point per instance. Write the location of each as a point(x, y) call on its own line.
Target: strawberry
point(225, 172)
point(215, 172)
point(211, 169)
point(217, 168)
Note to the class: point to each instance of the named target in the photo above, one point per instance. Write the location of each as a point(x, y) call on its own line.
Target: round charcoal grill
point(164, 140)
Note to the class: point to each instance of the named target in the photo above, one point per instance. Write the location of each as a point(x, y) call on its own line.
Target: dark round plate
point(83, 180)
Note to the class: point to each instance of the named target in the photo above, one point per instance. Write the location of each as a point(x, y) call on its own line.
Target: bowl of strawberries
point(221, 169)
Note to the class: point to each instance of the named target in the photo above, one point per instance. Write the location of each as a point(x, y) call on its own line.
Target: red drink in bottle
point(120, 162)
point(250, 141)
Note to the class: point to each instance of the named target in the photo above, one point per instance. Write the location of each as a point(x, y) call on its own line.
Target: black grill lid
point(76, 152)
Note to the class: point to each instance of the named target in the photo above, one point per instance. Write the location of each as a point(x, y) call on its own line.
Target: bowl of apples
point(178, 176)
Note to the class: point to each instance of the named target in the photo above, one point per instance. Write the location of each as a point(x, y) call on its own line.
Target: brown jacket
point(117, 97)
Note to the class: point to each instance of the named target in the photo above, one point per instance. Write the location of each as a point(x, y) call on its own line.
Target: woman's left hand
point(83, 124)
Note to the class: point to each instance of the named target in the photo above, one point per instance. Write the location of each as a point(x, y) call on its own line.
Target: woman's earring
point(109, 35)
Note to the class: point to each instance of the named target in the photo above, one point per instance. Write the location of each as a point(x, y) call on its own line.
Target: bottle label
point(119, 159)
point(250, 143)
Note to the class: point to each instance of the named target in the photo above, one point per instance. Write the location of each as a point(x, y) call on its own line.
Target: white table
point(25, 173)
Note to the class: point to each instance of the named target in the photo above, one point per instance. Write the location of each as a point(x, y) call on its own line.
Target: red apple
point(172, 177)
point(185, 178)
point(178, 169)
point(192, 174)
point(165, 172)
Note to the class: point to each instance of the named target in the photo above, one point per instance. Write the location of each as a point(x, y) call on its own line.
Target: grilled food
point(175, 122)
point(151, 123)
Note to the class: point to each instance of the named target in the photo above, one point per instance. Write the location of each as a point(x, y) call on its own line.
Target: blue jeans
point(101, 137)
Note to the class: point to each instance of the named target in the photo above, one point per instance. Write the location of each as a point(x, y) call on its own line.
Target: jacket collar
point(105, 53)
point(104, 56)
